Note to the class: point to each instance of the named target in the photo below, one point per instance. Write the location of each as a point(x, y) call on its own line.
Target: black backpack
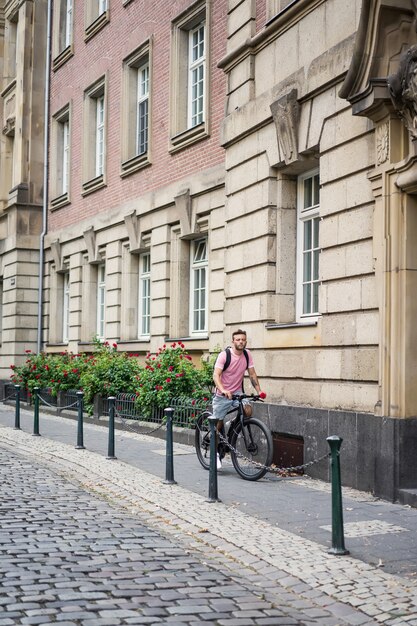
point(229, 358)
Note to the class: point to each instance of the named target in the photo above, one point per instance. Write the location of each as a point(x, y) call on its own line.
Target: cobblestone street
point(87, 540)
point(69, 557)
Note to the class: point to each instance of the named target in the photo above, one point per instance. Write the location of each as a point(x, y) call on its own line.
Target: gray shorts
point(221, 406)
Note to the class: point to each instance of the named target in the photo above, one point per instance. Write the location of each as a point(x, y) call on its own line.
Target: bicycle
point(247, 439)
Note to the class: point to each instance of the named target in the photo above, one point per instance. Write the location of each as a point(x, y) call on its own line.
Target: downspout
point(45, 173)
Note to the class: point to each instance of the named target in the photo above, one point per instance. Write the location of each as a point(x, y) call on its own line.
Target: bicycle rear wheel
point(202, 439)
point(252, 449)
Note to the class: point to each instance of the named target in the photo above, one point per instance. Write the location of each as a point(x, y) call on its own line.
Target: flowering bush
point(108, 372)
point(170, 373)
point(57, 372)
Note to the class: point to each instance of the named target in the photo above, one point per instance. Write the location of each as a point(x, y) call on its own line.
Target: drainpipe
point(45, 173)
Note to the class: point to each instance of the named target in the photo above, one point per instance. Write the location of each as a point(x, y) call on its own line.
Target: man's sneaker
point(219, 463)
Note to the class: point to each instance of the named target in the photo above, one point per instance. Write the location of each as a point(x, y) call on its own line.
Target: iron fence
point(186, 410)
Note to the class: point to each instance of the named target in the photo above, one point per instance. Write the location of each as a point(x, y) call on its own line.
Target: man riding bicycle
point(229, 371)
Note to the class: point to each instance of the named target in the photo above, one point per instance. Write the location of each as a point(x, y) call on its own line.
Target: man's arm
point(254, 380)
point(217, 381)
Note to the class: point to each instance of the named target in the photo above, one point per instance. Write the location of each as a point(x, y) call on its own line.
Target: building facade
point(219, 164)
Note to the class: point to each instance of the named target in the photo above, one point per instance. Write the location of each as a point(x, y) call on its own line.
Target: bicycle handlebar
point(243, 396)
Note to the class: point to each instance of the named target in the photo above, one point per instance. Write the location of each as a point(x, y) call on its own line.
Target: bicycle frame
point(239, 418)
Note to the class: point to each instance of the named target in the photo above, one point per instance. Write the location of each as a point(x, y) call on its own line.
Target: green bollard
point(169, 467)
point(213, 495)
point(80, 433)
point(110, 454)
point(17, 412)
point(338, 539)
point(36, 413)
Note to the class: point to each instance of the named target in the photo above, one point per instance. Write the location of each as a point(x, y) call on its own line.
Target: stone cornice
point(283, 21)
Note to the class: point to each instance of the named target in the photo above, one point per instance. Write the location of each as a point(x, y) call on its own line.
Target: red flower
point(74, 371)
point(173, 345)
point(193, 402)
point(168, 380)
point(28, 351)
point(115, 346)
point(187, 356)
point(170, 368)
point(13, 367)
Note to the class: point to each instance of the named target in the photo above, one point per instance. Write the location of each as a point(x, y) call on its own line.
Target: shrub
point(108, 373)
point(168, 374)
point(57, 372)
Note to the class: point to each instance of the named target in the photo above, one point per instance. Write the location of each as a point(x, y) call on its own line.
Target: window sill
point(96, 26)
point(93, 185)
point(188, 137)
point(62, 57)
point(60, 201)
point(134, 164)
point(273, 326)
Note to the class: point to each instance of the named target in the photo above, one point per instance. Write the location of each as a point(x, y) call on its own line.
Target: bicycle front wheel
point(252, 449)
point(202, 439)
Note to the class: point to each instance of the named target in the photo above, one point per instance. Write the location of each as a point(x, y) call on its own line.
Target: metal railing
point(185, 410)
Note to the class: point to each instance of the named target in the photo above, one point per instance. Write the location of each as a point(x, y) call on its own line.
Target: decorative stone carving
point(403, 90)
point(286, 114)
point(90, 241)
point(382, 143)
point(183, 205)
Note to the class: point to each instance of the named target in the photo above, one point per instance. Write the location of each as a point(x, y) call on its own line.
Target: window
point(96, 16)
point(60, 157)
point(189, 120)
point(62, 32)
point(101, 299)
point(142, 109)
point(196, 75)
point(144, 305)
point(99, 131)
point(65, 307)
point(198, 286)
point(68, 24)
point(11, 46)
point(136, 110)
point(95, 128)
point(308, 250)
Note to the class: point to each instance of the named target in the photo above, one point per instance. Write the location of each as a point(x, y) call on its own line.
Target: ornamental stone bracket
point(137, 240)
point(90, 241)
point(56, 251)
point(385, 30)
point(403, 90)
point(286, 115)
point(184, 209)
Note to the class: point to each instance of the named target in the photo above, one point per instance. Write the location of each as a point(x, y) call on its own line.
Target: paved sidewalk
point(272, 529)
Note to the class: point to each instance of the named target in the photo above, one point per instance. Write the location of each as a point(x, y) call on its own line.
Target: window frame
point(97, 15)
point(60, 180)
point(196, 268)
point(65, 306)
point(101, 301)
point(308, 213)
point(94, 178)
point(144, 296)
point(194, 65)
point(133, 159)
point(182, 132)
point(63, 33)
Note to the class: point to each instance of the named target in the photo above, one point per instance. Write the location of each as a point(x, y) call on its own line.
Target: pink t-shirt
point(233, 376)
